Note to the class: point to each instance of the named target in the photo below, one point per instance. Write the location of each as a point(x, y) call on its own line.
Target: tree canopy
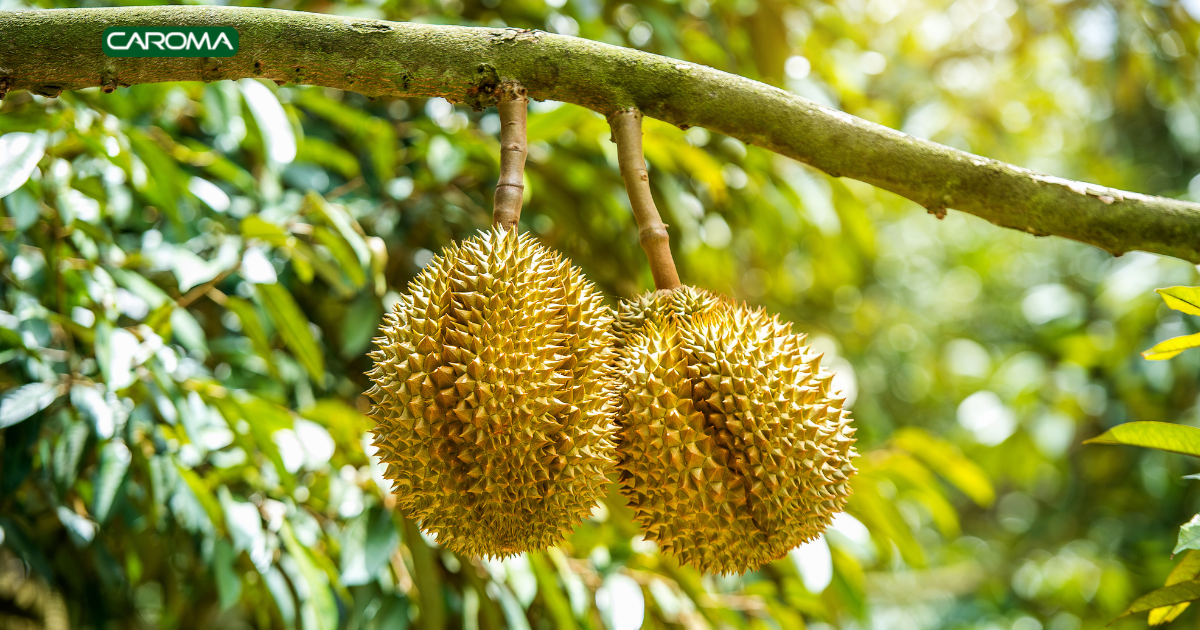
point(192, 273)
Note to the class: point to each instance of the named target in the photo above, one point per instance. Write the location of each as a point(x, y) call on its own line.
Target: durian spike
point(510, 189)
point(652, 232)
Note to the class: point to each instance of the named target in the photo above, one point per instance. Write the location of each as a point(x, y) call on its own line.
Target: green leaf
point(1172, 347)
point(1166, 614)
point(353, 556)
point(1166, 596)
point(278, 137)
point(1189, 535)
point(139, 286)
point(278, 587)
point(188, 331)
point(202, 493)
point(372, 134)
point(320, 602)
point(301, 265)
point(342, 253)
point(92, 405)
point(344, 422)
point(367, 543)
point(254, 226)
point(80, 528)
point(382, 539)
point(884, 520)
point(425, 574)
point(1173, 438)
point(23, 208)
point(555, 600)
point(67, 453)
point(945, 459)
point(1183, 299)
point(165, 184)
point(229, 584)
point(264, 418)
point(252, 327)
point(19, 155)
point(293, 327)
point(27, 400)
point(305, 254)
point(192, 271)
point(114, 463)
point(336, 215)
point(1186, 570)
point(244, 522)
point(220, 167)
point(329, 155)
point(174, 489)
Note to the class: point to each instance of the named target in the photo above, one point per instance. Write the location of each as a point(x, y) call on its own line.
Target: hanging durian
point(493, 392)
point(734, 448)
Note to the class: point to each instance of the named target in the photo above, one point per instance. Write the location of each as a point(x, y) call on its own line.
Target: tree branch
point(514, 143)
point(652, 232)
point(49, 51)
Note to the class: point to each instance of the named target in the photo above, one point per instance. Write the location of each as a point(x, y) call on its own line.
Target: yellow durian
point(733, 447)
point(494, 396)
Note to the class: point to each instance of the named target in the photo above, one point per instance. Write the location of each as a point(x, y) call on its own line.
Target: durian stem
point(652, 232)
point(513, 150)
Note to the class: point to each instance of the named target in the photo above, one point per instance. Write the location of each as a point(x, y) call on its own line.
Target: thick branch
point(514, 144)
point(50, 51)
point(652, 232)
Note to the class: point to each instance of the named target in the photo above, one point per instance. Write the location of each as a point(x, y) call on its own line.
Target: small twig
point(513, 149)
point(652, 232)
point(215, 295)
point(196, 292)
point(345, 188)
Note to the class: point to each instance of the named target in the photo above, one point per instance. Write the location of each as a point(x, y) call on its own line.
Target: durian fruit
point(734, 449)
point(494, 396)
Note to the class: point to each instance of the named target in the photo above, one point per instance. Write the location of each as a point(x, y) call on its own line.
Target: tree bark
point(49, 51)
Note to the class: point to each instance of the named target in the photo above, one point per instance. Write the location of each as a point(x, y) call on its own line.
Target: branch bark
point(652, 232)
point(49, 51)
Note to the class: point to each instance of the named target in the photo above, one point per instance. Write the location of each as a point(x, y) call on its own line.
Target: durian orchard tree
point(504, 391)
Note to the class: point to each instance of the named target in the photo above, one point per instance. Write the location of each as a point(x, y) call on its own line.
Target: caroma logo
point(170, 41)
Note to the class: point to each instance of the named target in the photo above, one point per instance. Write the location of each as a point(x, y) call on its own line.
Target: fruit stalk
point(513, 150)
point(652, 232)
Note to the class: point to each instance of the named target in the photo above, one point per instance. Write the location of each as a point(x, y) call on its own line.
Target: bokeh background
point(191, 277)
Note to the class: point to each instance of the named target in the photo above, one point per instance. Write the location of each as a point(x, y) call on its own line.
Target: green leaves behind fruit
point(1167, 603)
point(293, 327)
point(1184, 300)
point(1189, 535)
point(1173, 438)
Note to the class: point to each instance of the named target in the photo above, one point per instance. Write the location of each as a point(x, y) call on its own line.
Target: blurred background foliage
point(191, 275)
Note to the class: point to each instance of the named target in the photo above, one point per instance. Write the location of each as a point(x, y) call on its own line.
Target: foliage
point(1186, 300)
point(192, 274)
point(1182, 588)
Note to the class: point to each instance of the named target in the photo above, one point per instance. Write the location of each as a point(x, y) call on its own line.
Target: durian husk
point(734, 448)
point(494, 396)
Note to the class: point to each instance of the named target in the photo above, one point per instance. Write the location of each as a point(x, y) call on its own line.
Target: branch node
point(626, 127)
point(48, 91)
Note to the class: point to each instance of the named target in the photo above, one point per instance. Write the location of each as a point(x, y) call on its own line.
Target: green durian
point(494, 396)
point(733, 447)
